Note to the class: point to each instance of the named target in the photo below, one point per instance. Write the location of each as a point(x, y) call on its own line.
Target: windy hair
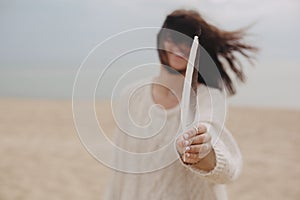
point(221, 46)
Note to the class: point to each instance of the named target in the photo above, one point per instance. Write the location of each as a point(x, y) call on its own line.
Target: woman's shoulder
point(205, 92)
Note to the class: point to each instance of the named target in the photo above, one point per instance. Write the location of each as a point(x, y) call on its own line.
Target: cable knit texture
point(177, 180)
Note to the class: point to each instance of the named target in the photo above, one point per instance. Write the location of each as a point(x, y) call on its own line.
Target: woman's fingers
point(181, 144)
point(192, 132)
point(201, 129)
point(198, 148)
point(191, 158)
point(200, 139)
point(196, 131)
point(197, 152)
point(192, 137)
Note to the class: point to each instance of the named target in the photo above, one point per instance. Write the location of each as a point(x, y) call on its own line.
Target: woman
point(204, 165)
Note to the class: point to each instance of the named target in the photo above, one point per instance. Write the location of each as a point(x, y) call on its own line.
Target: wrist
point(207, 163)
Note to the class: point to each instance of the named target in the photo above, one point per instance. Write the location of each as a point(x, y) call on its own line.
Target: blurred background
point(43, 43)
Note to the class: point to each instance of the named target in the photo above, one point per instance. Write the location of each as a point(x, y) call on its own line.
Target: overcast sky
point(63, 31)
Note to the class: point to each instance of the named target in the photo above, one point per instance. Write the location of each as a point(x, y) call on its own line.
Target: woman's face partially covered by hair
point(177, 54)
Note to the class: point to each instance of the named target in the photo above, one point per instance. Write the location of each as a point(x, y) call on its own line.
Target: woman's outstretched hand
point(194, 145)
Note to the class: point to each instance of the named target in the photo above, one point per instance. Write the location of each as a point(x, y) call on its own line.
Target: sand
point(43, 158)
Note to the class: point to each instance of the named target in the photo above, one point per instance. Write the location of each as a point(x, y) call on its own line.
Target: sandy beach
point(43, 158)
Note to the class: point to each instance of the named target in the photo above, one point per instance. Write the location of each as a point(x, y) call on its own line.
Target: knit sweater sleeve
point(228, 156)
point(228, 160)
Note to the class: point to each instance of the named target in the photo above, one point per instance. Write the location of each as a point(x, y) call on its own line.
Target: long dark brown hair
point(221, 46)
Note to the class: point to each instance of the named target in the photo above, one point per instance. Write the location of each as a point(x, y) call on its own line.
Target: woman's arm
point(195, 147)
point(208, 163)
point(222, 164)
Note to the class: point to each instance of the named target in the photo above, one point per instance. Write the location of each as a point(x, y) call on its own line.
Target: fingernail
point(187, 155)
point(186, 136)
point(187, 148)
point(186, 143)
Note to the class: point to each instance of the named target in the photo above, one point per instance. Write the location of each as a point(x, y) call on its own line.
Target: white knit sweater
point(177, 180)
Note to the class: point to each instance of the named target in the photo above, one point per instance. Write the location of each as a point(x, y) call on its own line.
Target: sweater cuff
point(216, 173)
